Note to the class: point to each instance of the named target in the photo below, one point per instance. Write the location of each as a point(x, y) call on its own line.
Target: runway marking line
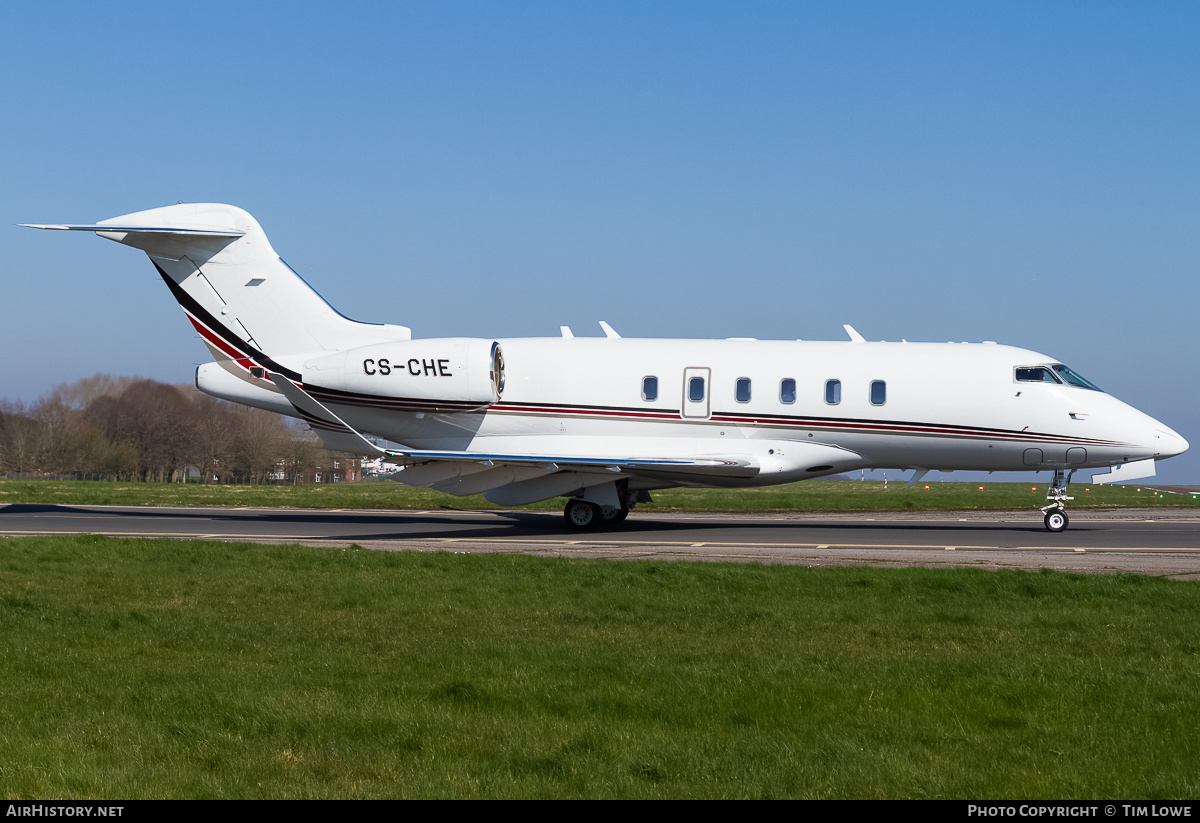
point(608, 542)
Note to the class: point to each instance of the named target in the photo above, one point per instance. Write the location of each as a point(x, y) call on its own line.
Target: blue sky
point(1019, 172)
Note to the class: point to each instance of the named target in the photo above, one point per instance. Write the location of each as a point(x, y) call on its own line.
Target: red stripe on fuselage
point(212, 338)
point(561, 411)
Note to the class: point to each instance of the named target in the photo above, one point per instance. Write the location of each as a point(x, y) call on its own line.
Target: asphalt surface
point(1146, 541)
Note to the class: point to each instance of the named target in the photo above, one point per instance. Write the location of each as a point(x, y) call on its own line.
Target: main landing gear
point(1056, 512)
point(584, 516)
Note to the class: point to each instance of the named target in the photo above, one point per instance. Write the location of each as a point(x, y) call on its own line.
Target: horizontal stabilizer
point(200, 233)
point(183, 231)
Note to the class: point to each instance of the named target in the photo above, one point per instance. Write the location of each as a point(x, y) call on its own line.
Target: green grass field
point(182, 669)
point(813, 495)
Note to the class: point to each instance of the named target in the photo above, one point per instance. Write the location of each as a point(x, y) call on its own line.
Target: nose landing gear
point(1056, 513)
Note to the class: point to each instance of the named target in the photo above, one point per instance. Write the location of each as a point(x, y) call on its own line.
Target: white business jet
point(603, 421)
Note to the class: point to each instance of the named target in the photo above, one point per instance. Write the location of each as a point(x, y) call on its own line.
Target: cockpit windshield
point(1073, 379)
point(1036, 374)
point(1055, 373)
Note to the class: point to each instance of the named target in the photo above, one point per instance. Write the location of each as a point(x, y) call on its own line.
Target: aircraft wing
point(514, 479)
point(725, 466)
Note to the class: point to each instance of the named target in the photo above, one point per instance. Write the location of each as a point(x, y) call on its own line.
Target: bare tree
point(259, 438)
point(18, 439)
point(100, 457)
point(303, 452)
point(210, 442)
point(82, 393)
point(127, 428)
point(57, 439)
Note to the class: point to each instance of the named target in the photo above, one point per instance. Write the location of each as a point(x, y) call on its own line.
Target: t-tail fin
point(247, 304)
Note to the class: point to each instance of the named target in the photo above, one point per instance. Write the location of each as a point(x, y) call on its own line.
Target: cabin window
point(696, 389)
point(649, 388)
point(833, 392)
point(878, 392)
point(787, 391)
point(743, 390)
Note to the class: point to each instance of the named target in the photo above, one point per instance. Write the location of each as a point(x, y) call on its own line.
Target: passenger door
point(696, 390)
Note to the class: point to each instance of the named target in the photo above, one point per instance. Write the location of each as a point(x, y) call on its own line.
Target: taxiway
point(1146, 541)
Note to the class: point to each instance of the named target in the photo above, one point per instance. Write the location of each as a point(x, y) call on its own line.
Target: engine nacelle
point(451, 373)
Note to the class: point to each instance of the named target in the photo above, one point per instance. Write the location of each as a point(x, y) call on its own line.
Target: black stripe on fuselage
point(940, 428)
point(389, 403)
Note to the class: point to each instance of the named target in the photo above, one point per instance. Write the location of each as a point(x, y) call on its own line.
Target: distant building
point(329, 467)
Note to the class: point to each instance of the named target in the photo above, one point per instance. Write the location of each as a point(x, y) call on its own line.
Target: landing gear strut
point(1056, 512)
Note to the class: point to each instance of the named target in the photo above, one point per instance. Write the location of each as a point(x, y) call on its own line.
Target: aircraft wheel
point(581, 515)
point(611, 515)
point(1056, 521)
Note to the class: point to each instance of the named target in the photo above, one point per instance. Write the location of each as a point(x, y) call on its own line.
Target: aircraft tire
point(582, 516)
point(613, 516)
point(1056, 521)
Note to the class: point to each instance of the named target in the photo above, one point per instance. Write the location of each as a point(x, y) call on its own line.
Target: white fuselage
point(945, 405)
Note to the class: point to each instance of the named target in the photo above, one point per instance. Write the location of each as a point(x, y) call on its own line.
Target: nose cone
point(1167, 443)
